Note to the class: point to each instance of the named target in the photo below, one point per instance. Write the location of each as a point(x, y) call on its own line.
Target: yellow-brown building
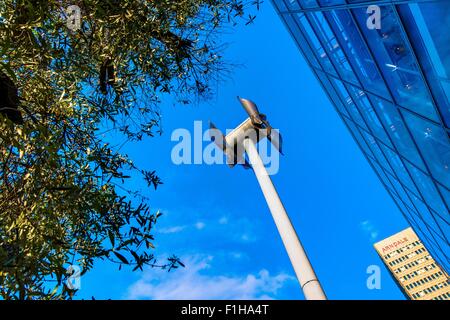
point(413, 267)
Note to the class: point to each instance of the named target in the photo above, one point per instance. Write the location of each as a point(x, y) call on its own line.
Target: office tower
point(385, 66)
point(416, 272)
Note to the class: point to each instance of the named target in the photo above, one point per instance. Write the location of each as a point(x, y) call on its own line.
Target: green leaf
point(121, 258)
point(111, 238)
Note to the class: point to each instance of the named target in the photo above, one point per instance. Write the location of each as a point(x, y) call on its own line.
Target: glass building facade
point(390, 84)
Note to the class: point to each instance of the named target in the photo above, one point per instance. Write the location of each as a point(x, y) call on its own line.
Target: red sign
point(395, 244)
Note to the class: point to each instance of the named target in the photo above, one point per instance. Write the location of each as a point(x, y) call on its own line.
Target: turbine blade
point(276, 139)
point(217, 137)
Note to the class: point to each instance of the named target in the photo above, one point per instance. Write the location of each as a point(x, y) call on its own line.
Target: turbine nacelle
point(256, 127)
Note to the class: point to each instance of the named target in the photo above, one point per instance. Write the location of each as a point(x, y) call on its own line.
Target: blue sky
point(216, 219)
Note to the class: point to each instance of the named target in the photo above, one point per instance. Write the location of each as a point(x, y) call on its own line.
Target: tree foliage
point(62, 198)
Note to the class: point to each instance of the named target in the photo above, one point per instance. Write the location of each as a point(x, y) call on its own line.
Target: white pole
point(311, 287)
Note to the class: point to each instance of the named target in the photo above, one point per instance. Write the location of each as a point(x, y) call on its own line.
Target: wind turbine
point(242, 140)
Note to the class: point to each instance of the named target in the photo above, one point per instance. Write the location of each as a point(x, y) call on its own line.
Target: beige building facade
point(413, 267)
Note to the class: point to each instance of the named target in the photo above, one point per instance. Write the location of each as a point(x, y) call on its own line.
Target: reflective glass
point(399, 169)
point(397, 62)
point(280, 5)
point(329, 41)
point(359, 139)
point(444, 225)
point(292, 4)
point(426, 217)
point(367, 111)
point(332, 94)
point(428, 190)
point(434, 145)
point(397, 130)
point(431, 244)
point(446, 194)
point(308, 3)
point(326, 3)
point(391, 87)
point(300, 40)
point(402, 193)
point(384, 177)
point(356, 50)
point(402, 207)
point(348, 102)
point(371, 142)
point(315, 44)
point(424, 232)
point(425, 23)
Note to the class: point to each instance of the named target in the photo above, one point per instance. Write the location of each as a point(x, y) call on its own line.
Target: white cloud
point(169, 230)
point(193, 283)
point(200, 225)
point(368, 227)
point(223, 220)
point(247, 237)
point(176, 229)
point(237, 255)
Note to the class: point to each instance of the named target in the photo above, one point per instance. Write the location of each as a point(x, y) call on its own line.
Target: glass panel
point(395, 126)
point(315, 44)
point(401, 192)
point(309, 3)
point(399, 169)
point(353, 45)
point(432, 246)
point(280, 5)
point(292, 4)
point(428, 190)
point(424, 23)
point(397, 62)
point(326, 3)
point(359, 139)
point(371, 142)
point(446, 194)
point(328, 39)
point(332, 94)
point(365, 108)
point(423, 232)
point(348, 102)
point(426, 217)
point(434, 145)
point(301, 41)
point(444, 225)
point(403, 208)
point(446, 250)
point(384, 178)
